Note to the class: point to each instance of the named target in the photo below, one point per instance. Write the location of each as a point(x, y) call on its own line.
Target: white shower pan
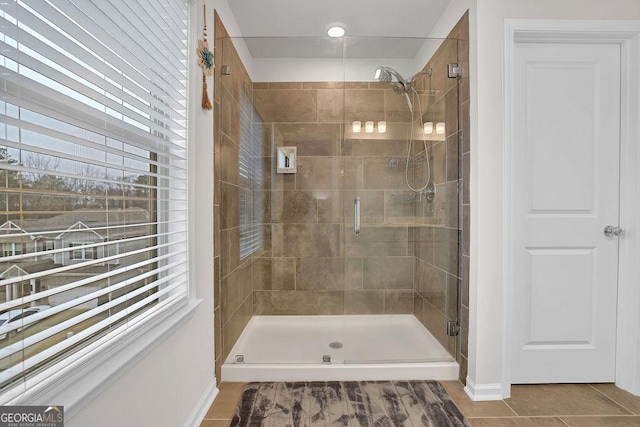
point(362, 347)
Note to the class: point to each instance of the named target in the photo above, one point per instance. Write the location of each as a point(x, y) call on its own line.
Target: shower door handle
point(356, 216)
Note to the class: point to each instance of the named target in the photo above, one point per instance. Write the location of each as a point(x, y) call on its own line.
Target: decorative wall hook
point(205, 61)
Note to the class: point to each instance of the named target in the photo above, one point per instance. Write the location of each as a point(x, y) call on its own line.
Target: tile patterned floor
point(562, 405)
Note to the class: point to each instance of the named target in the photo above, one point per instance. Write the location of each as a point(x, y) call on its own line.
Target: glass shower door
point(402, 290)
point(297, 270)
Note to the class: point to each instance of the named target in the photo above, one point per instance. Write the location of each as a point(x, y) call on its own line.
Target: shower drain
point(335, 344)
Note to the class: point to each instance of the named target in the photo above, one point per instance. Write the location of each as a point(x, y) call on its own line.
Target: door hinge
point(454, 70)
point(453, 328)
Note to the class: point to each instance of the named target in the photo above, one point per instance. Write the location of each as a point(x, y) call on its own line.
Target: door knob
point(610, 230)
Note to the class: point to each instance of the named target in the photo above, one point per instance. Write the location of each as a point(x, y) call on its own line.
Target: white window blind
point(251, 152)
point(93, 180)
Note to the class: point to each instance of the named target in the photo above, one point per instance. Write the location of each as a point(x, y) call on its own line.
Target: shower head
point(386, 74)
point(383, 75)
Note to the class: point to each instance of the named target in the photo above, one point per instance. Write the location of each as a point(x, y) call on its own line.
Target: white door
point(565, 190)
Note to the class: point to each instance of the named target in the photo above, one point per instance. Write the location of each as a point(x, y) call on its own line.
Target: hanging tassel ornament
point(206, 103)
point(205, 60)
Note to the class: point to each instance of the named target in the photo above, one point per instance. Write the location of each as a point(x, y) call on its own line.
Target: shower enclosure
point(339, 238)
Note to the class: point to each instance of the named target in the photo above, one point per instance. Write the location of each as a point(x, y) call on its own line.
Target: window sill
point(80, 383)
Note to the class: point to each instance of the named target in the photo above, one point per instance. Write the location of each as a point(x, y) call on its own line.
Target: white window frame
point(11, 251)
point(79, 249)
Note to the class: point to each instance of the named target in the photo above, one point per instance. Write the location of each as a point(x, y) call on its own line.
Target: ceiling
point(367, 20)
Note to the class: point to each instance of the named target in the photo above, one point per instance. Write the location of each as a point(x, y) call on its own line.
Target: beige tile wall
point(313, 254)
point(440, 273)
point(442, 246)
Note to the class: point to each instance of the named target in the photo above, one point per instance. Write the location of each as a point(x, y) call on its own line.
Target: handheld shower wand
point(406, 96)
point(386, 74)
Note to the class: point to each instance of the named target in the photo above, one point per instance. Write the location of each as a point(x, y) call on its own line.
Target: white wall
point(486, 50)
point(165, 387)
point(176, 380)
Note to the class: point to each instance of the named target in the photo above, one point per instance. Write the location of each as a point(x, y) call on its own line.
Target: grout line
point(510, 417)
point(509, 406)
point(563, 421)
point(601, 415)
point(556, 416)
point(613, 400)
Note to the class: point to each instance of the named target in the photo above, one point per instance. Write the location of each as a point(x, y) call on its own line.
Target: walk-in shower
point(300, 295)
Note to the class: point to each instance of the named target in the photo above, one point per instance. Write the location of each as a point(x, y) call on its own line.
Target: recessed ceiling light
point(336, 29)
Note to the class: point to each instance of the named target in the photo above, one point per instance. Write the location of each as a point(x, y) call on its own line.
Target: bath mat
point(349, 403)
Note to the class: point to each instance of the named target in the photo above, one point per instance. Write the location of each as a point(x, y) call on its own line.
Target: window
point(251, 143)
point(93, 153)
point(81, 252)
point(11, 249)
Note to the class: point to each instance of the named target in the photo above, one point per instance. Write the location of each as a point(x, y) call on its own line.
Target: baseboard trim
point(203, 405)
point(483, 392)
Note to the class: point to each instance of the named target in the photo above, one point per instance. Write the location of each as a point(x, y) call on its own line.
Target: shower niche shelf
point(287, 159)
